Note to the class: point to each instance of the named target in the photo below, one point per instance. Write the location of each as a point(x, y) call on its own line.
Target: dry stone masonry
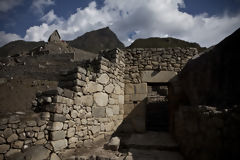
point(93, 100)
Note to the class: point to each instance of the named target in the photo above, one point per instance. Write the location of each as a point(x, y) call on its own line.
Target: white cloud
point(6, 5)
point(39, 5)
point(8, 37)
point(49, 17)
point(152, 18)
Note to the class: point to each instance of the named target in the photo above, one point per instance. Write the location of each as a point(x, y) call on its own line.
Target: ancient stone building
point(119, 91)
point(54, 37)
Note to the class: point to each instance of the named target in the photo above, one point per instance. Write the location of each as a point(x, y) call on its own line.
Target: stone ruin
point(119, 92)
point(54, 37)
point(91, 103)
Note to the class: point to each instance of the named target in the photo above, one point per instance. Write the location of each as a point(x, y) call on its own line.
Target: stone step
point(151, 140)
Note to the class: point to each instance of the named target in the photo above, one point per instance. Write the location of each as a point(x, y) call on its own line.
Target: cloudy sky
point(203, 21)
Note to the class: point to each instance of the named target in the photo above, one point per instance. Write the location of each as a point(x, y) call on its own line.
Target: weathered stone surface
point(4, 148)
point(54, 156)
point(109, 88)
point(12, 138)
point(140, 88)
point(87, 143)
point(7, 132)
point(95, 129)
point(81, 70)
point(57, 135)
point(37, 152)
point(18, 144)
point(129, 88)
point(54, 126)
point(103, 79)
point(2, 140)
point(109, 126)
point(58, 117)
point(40, 135)
point(71, 132)
point(93, 87)
point(55, 108)
point(139, 97)
point(101, 99)
point(99, 112)
point(109, 112)
point(157, 77)
point(84, 100)
point(121, 99)
point(40, 142)
point(59, 145)
point(74, 114)
point(31, 123)
point(79, 83)
point(11, 152)
point(115, 109)
point(68, 93)
point(118, 89)
point(114, 144)
point(73, 140)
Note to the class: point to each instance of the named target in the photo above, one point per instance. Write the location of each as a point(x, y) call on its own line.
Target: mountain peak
point(97, 40)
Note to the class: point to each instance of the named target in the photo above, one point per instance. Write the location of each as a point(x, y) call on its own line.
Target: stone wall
point(86, 108)
point(139, 60)
point(205, 132)
point(143, 66)
point(19, 132)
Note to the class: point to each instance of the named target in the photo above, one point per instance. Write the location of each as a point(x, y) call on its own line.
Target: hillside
point(18, 47)
point(97, 40)
point(163, 43)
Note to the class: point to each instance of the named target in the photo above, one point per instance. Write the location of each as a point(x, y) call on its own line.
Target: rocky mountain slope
point(97, 40)
point(18, 47)
point(156, 42)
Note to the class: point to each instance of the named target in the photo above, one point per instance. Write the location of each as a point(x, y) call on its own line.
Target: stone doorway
point(157, 116)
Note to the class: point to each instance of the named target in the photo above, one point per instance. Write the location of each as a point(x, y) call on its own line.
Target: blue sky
point(203, 21)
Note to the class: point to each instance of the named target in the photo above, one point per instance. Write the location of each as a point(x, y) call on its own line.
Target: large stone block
point(12, 138)
point(84, 100)
point(55, 126)
point(71, 132)
point(55, 108)
point(99, 112)
point(103, 79)
point(57, 135)
point(129, 88)
point(109, 88)
point(58, 117)
point(121, 99)
point(93, 87)
point(2, 140)
point(4, 148)
point(59, 145)
point(109, 112)
point(115, 109)
point(101, 99)
point(140, 88)
point(139, 97)
point(118, 89)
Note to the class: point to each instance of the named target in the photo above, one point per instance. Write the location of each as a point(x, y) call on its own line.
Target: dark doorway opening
point(157, 116)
